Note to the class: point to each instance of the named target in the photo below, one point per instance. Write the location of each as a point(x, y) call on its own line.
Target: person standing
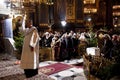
point(108, 45)
point(55, 45)
point(30, 50)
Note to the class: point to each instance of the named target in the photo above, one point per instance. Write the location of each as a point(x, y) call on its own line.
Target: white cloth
point(30, 59)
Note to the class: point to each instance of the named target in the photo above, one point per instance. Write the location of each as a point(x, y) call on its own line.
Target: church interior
point(78, 39)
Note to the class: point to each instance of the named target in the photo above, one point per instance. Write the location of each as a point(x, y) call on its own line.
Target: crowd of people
point(63, 45)
point(66, 46)
point(111, 46)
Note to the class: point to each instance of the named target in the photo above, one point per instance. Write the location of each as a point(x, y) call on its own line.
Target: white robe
point(30, 59)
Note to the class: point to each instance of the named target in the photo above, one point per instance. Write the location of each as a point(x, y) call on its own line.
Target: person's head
point(107, 37)
point(71, 32)
point(115, 37)
point(29, 23)
point(56, 37)
point(47, 34)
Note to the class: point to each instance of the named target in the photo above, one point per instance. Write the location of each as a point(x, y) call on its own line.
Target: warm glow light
point(116, 7)
point(116, 13)
point(90, 10)
point(14, 0)
point(89, 1)
point(115, 25)
point(27, 1)
point(100, 35)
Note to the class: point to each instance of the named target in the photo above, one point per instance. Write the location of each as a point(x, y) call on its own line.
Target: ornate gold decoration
point(70, 9)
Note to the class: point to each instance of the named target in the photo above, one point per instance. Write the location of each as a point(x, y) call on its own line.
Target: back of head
point(107, 36)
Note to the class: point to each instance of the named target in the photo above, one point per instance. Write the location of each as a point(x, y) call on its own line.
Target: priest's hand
point(32, 48)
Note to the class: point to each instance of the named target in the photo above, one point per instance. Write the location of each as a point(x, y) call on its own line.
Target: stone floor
point(11, 71)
